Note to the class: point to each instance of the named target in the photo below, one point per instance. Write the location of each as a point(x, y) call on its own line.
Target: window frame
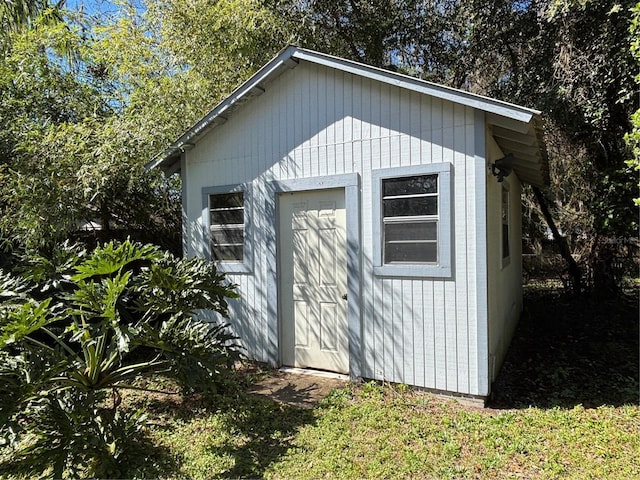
point(442, 267)
point(229, 266)
point(505, 193)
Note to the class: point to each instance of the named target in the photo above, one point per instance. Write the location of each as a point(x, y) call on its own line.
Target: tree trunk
point(561, 241)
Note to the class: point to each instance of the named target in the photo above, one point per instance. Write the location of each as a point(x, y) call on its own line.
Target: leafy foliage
point(70, 436)
point(86, 102)
point(197, 33)
point(633, 137)
point(74, 137)
point(570, 59)
point(16, 14)
point(76, 333)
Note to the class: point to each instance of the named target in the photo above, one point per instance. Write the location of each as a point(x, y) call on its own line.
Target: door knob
point(344, 297)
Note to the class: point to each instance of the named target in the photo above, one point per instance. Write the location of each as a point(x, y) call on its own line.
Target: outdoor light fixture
point(503, 167)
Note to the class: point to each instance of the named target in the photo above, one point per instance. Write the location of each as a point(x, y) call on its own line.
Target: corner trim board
point(482, 306)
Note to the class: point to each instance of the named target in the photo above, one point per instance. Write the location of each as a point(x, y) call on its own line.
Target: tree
point(417, 37)
point(76, 133)
point(78, 129)
point(633, 137)
point(567, 58)
point(220, 42)
point(16, 14)
point(589, 101)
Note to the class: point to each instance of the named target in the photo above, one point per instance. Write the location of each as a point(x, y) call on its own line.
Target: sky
point(98, 6)
point(91, 6)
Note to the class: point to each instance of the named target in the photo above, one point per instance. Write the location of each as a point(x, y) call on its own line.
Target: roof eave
point(250, 88)
point(526, 143)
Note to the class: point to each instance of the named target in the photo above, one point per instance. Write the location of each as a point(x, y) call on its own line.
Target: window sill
point(426, 271)
point(230, 267)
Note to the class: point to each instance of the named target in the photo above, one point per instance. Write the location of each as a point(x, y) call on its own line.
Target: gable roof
point(517, 130)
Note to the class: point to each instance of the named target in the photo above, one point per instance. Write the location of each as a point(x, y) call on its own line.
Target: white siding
point(504, 278)
point(315, 121)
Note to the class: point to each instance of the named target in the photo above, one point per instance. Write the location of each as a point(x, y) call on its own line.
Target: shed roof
point(516, 129)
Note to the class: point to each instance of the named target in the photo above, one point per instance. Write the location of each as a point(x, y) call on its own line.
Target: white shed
point(370, 219)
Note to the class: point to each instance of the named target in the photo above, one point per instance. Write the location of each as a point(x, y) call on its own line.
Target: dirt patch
point(298, 389)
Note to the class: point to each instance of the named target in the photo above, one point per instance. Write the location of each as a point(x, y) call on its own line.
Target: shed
point(371, 220)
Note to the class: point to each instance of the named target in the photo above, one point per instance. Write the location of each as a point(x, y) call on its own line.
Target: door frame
point(351, 184)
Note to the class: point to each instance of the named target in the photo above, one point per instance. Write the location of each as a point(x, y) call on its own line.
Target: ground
point(296, 389)
point(572, 350)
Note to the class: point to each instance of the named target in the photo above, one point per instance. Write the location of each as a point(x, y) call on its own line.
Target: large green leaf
point(19, 321)
point(114, 257)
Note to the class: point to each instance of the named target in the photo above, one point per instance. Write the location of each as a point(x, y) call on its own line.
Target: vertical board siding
point(315, 121)
point(505, 278)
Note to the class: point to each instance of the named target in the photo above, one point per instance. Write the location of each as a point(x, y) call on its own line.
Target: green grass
point(373, 431)
point(406, 434)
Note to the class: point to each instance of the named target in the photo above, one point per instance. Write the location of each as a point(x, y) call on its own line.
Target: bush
point(77, 328)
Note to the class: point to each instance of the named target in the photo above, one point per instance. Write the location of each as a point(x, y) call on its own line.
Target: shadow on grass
point(145, 459)
point(570, 351)
point(269, 428)
point(250, 432)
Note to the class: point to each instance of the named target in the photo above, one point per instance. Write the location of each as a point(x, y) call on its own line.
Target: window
point(226, 215)
point(226, 225)
point(412, 210)
point(410, 219)
point(505, 214)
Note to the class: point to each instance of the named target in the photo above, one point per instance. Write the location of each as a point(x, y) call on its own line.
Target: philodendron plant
point(77, 329)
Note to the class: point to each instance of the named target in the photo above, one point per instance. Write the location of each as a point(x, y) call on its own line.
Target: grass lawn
point(373, 431)
point(566, 406)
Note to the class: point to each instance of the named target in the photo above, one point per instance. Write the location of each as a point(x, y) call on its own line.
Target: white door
point(313, 280)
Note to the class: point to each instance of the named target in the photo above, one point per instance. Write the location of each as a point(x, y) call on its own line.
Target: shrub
point(77, 328)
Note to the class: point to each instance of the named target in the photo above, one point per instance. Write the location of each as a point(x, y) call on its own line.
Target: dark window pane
point(505, 206)
point(505, 223)
point(226, 200)
point(410, 185)
point(410, 253)
point(403, 207)
point(411, 231)
point(221, 235)
point(226, 218)
point(223, 217)
point(228, 252)
point(505, 240)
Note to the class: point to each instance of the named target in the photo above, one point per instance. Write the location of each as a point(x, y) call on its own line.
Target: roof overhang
point(525, 141)
point(517, 130)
